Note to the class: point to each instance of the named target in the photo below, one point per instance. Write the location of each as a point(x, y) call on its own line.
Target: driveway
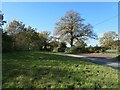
point(104, 61)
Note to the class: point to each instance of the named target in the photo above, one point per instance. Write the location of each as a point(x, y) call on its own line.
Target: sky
point(103, 16)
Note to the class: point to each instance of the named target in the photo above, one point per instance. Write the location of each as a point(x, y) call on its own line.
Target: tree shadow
point(16, 73)
point(38, 75)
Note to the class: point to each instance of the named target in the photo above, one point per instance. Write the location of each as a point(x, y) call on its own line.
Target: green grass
point(112, 51)
point(51, 70)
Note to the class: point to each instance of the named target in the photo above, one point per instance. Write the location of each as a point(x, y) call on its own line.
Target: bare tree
point(71, 28)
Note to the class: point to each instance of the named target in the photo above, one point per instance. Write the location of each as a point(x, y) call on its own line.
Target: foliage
point(62, 47)
point(95, 49)
point(75, 50)
point(13, 31)
point(6, 42)
point(71, 28)
point(44, 39)
point(83, 49)
point(54, 45)
point(25, 38)
point(116, 45)
point(51, 70)
point(80, 47)
point(111, 51)
point(80, 44)
point(108, 39)
point(71, 50)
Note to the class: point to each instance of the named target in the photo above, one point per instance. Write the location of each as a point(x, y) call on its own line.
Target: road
point(104, 61)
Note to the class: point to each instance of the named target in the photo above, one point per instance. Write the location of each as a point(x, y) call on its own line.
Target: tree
point(116, 45)
point(44, 38)
point(13, 30)
point(19, 37)
point(71, 28)
point(14, 27)
point(23, 38)
point(108, 39)
point(27, 39)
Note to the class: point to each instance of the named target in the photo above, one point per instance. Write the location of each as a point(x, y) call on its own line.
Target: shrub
point(102, 50)
point(55, 50)
point(95, 49)
point(62, 47)
point(75, 49)
point(111, 51)
point(90, 49)
point(72, 49)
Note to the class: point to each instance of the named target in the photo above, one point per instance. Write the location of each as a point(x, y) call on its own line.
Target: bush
point(90, 49)
point(55, 50)
point(95, 49)
point(102, 50)
point(71, 50)
point(75, 50)
point(62, 47)
point(7, 42)
point(111, 51)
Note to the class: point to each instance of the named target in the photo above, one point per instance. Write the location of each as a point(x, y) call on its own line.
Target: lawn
point(51, 70)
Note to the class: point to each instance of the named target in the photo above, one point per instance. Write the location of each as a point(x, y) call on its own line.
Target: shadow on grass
point(30, 70)
point(40, 77)
point(27, 56)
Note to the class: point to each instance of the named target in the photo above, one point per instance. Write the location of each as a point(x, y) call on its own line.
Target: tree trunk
point(71, 40)
point(45, 45)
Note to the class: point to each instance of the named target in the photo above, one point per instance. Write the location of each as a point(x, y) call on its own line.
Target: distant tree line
point(17, 36)
point(70, 29)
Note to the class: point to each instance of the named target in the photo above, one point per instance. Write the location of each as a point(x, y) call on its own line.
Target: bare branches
point(71, 26)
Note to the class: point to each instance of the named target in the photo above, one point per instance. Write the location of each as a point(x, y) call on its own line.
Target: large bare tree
point(71, 28)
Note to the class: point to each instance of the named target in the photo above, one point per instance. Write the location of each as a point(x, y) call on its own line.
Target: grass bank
point(51, 70)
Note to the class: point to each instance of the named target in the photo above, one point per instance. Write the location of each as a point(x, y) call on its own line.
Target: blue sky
point(43, 16)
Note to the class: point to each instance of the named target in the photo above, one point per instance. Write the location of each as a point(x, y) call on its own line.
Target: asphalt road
point(104, 61)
